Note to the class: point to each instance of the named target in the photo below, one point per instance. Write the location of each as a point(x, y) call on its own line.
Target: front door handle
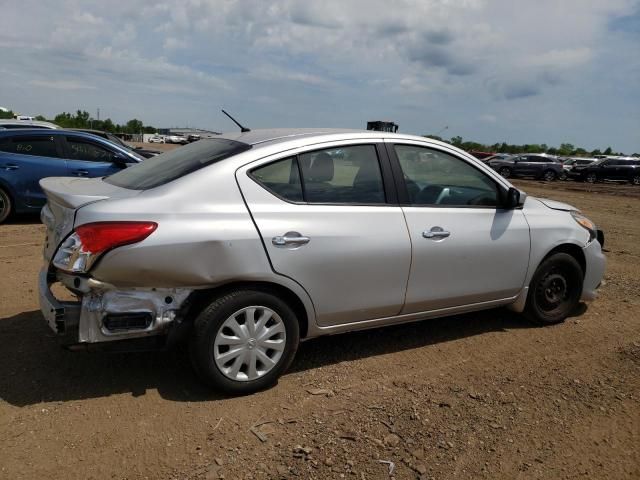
point(436, 233)
point(81, 173)
point(11, 166)
point(290, 239)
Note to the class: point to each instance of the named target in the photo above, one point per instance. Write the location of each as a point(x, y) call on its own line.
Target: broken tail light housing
point(88, 242)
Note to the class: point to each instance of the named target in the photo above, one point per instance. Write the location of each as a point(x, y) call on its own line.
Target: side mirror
point(120, 160)
point(513, 198)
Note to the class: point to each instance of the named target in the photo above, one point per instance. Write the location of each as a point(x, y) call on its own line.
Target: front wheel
point(591, 178)
point(555, 289)
point(243, 341)
point(549, 176)
point(505, 172)
point(635, 179)
point(563, 176)
point(5, 205)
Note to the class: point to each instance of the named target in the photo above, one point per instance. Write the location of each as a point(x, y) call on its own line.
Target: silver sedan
point(250, 242)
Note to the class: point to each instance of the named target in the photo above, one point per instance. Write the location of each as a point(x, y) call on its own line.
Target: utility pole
point(98, 114)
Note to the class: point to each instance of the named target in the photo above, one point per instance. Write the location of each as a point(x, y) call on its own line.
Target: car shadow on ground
point(34, 368)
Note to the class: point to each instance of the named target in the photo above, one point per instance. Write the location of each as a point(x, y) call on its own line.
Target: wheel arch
point(199, 299)
point(5, 187)
point(570, 249)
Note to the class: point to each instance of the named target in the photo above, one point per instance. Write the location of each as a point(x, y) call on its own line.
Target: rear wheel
point(635, 179)
point(505, 172)
point(242, 342)
point(555, 289)
point(549, 175)
point(5, 205)
point(591, 178)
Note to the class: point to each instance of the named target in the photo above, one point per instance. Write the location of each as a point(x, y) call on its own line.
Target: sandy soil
point(483, 395)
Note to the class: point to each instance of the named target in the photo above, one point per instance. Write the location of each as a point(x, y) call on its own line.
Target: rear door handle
point(436, 233)
point(11, 166)
point(81, 173)
point(290, 239)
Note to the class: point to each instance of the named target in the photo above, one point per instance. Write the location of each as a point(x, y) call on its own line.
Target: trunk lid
point(65, 195)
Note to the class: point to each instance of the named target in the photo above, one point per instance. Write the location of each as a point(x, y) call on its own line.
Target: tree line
point(564, 150)
point(82, 119)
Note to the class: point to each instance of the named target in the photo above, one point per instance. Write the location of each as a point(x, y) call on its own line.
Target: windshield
point(177, 163)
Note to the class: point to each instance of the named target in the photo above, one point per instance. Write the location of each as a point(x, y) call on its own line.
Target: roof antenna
point(242, 129)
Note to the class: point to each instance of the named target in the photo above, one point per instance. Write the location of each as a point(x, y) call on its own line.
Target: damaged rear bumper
point(105, 313)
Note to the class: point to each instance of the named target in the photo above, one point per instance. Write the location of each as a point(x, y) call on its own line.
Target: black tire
point(549, 175)
point(210, 321)
point(5, 205)
point(635, 179)
point(563, 176)
point(505, 172)
point(591, 178)
point(555, 289)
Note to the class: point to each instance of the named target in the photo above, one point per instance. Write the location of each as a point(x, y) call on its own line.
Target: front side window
point(40, 146)
point(341, 175)
point(437, 178)
point(82, 150)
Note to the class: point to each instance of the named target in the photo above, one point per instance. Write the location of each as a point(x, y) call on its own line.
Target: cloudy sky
point(544, 71)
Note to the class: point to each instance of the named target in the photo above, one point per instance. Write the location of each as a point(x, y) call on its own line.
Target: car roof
point(273, 136)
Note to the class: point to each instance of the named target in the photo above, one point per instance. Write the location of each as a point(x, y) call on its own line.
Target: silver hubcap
point(250, 343)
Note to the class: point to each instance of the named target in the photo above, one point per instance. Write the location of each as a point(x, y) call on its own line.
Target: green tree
point(134, 126)
point(596, 152)
point(566, 149)
point(4, 114)
point(608, 151)
point(457, 141)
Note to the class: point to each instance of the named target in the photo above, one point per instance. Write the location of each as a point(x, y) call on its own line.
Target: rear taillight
point(80, 250)
point(102, 236)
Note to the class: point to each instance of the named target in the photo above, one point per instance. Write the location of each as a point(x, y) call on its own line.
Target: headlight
point(585, 223)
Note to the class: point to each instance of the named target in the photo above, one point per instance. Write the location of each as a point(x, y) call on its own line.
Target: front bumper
point(105, 313)
point(595, 267)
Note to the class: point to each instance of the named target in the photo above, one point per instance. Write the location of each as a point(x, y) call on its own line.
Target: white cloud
point(420, 62)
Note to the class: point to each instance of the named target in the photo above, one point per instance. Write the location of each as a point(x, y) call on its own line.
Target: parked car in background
point(156, 139)
point(13, 124)
point(26, 156)
point(497, 156)
point(569, 164)
point(176, 139)
point(615, 169)
point(193, 137)
point(144, 152)
point(248, 242)
point(545, 167)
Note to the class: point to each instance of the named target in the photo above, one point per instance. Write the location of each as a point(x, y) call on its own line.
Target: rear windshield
point(177, 163)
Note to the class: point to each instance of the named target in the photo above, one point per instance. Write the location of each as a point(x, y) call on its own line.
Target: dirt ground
point(483, 395)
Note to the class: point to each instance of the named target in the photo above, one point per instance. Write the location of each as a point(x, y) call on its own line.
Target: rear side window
point(281, 178)
point(80, 149)
point(40, 146)
point(345, 175)
point(177, 163)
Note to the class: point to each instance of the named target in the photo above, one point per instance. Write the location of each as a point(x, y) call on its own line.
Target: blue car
point(28, 155)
